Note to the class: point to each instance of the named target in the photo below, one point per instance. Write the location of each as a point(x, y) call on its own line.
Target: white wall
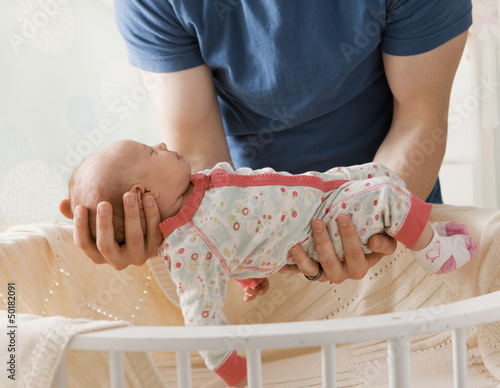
point(471, 168)
point(67, 89)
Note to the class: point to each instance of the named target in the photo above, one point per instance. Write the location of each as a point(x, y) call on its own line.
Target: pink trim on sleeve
point(233, 370)
point(414, 224)
point(250, 283)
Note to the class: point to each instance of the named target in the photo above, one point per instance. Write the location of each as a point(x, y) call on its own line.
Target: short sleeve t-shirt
point(300, 83)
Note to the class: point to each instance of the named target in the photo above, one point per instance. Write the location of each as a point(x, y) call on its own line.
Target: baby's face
point(165, 174)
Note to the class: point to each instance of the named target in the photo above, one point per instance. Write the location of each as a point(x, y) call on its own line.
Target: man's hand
point(137, 248)
point(356, 264)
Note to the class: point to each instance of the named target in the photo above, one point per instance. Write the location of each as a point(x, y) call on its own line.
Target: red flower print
point(295, 194)
point(368, 184)
point(209, 255)
point(245, 211)
point(375, 203)
point(204, 314)
point(377, 217)
point(249, 262)
point(236, 226)
point(178, 265)
point(375, 166)
point(166, 257)
point(181, 251)
point(344, 205)
point(370, 176)
point(166, 245)
point(283, 218)
point(386, 173)
point(294, 213)
point(283, 190)
point(194, 256)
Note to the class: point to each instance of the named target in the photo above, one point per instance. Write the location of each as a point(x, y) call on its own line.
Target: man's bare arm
point(421, 84)
point(414, 149)
point(189, 115)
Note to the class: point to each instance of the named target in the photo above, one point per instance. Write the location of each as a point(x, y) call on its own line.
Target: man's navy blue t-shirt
point(300, 83)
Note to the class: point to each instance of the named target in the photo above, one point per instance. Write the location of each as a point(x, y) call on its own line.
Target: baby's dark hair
point(90, 184)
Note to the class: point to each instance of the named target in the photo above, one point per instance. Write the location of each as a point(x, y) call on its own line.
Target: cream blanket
point(54, 279)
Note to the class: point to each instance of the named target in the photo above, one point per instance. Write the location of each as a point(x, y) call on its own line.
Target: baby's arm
point(201, 284)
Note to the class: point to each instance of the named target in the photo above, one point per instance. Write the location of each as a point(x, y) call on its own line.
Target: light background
point(66, 89)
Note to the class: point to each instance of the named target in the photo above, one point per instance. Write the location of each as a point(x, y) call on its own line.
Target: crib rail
point(396, 328)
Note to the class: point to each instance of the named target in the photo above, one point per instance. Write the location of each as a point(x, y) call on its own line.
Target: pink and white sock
point(450, 248)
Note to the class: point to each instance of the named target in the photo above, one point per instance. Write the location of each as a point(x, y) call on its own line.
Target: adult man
point(295, 85)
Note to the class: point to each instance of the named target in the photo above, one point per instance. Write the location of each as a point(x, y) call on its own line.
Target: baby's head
point(128, 166)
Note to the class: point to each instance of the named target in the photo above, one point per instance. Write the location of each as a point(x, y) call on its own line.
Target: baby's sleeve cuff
point(250, 283)
point(233, 370)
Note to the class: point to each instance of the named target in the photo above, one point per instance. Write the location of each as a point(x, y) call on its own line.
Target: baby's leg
point(450, 247)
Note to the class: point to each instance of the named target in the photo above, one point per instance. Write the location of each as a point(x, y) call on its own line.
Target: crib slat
point(459, 358)
point(399, 362)
point(328, 366)
point(61, 380)
point(116, 369)
point(183, 369)
point(254, 368)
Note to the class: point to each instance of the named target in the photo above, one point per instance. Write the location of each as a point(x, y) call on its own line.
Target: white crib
point(396, 328)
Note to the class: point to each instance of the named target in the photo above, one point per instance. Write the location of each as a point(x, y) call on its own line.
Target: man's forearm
point(189, 116)
point(415, 155)
point(421, 85)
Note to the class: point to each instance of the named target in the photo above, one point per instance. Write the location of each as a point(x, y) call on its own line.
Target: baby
point(223, 224)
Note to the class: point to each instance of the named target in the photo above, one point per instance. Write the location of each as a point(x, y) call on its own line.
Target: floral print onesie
point(241, 224)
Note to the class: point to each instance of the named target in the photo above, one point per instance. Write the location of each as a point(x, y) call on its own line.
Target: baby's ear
point(65, 209)
point(138, 190)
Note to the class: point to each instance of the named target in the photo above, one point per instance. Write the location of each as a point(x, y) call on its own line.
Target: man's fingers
point(327, 257)
point(105, 236)
point(356, 265)
point(81, 235)
point(154, 236)
point(305, 264)
point(383, 244)
point(134, 234)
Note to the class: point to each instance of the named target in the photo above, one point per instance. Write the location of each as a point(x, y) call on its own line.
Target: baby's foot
point(450, 248)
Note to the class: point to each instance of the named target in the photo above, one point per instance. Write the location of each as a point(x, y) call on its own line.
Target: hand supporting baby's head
point(105, 175)
point(128, 166)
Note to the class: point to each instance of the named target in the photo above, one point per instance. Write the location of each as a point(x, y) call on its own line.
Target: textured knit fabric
point(41, 344)
point(59, 293)
point(241, 224)
point(291, 73)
